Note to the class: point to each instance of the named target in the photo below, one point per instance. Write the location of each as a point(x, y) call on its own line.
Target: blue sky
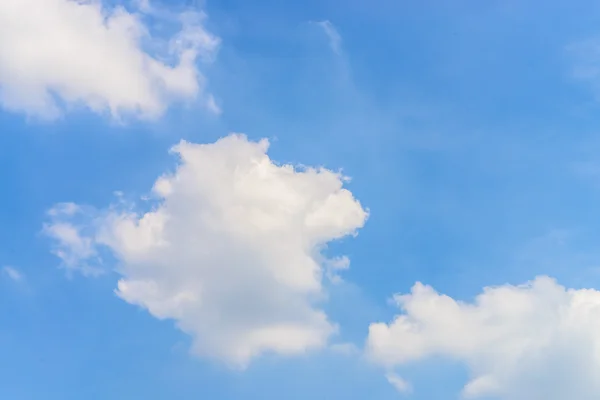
point(469, 132)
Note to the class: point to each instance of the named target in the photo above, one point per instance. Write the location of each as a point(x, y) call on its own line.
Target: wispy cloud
point(346, 349)
point(585, 55)
point(12, 273)
point(335, 39)
point(398, 382)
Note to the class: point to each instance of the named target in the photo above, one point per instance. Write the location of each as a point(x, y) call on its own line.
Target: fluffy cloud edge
point(231, 251)
point(104, 57)
point(514, 340)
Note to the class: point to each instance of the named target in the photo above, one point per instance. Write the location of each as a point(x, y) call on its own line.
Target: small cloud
point(346, 349)
point(398, 382)
point(12, 273)
point(480, 387)
point(335, 40)
point(69, 209)
point(334, 266)
point(212, 105)
point(77, 250)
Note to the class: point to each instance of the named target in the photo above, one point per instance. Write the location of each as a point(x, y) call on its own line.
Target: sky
point(299, 200)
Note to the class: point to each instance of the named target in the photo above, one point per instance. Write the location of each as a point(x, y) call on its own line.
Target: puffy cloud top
point(232, 251)
point(535, 341)
point(63, 53)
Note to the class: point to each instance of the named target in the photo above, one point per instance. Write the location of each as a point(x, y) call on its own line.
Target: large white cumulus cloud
point(232, 251)
point(535, 341)
point(64, 53)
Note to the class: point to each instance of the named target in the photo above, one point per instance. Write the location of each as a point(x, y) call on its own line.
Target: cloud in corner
point(533, 341)
point(59, 54)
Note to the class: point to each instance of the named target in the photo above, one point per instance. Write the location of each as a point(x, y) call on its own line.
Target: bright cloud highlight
point(59, 54)
point(232, 251)
point(535, 341)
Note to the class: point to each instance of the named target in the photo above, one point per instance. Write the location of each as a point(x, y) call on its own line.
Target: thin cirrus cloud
point(60, 54)
point(76, 251)
point(334, 37)
point(399, 383)
point(534, 341)
point(12, 273)
point(232, 251)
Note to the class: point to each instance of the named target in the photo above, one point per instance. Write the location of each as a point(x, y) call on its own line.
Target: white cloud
point(535, 341)
point(398, 382)
point(335, 39)
point(76, 251)
point(231, 251)
point(57, 54)
point(12, 273)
